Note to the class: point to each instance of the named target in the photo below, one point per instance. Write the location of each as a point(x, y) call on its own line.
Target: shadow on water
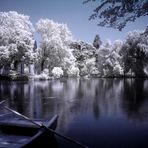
point(98, 112)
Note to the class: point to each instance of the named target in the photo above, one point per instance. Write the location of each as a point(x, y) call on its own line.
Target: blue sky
point(71, 12)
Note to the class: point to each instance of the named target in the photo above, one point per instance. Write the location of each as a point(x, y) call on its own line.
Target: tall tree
point(116, 13)
point(55, 42)
point(16, 39)
point(97, 42)
point(109, 59)
point(135, 53)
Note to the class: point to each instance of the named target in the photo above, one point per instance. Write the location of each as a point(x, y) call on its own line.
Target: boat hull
point(30, 135)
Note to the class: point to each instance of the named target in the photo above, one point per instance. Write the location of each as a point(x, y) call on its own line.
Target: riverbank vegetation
point(58, 54)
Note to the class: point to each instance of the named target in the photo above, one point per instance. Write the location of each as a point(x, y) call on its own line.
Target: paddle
point(50, 130)
point(2, 102)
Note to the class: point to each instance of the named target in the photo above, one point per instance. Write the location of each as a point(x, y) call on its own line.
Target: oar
point(2, 102)
point(39, 125)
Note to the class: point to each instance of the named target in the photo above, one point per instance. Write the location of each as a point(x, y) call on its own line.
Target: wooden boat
point(17, 132)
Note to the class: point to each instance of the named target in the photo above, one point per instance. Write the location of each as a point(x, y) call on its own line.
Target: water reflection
point(135, 104)
point(96, 96)
point(103, 105)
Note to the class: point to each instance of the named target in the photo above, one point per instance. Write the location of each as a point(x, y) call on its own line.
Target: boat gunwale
point(38, 131)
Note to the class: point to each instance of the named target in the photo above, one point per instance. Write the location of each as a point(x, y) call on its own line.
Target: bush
point(57, 72)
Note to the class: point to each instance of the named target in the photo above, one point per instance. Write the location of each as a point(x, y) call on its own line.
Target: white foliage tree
point(85, 55)
point(91, 67)
point(109, 60)
point(135, 52)
point(16, 39)
point(55, 42)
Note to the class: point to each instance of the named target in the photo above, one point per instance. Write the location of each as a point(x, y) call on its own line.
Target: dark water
point(101, 113)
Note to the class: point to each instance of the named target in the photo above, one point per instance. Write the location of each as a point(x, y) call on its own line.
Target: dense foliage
point(58, 54)
point(16, 40)
point(117, 13)
point(55, 40)
point(135, 53)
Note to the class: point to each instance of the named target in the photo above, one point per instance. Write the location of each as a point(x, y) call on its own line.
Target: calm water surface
point(101, 113)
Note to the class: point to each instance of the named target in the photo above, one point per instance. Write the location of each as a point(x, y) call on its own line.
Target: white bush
point(43, 76)
point(117, 70)
point(73, 71)
point(57, 72)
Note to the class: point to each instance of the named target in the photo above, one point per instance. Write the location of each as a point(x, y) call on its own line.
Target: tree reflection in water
point(135, 99)
point(96, 108)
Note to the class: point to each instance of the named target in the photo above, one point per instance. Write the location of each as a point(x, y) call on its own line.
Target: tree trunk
point(6, 70)
point(16, 65)
point(31, 69)
point(22, 68)
point(42, 65)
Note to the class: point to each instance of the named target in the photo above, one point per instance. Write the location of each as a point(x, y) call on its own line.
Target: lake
point(100, 113)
